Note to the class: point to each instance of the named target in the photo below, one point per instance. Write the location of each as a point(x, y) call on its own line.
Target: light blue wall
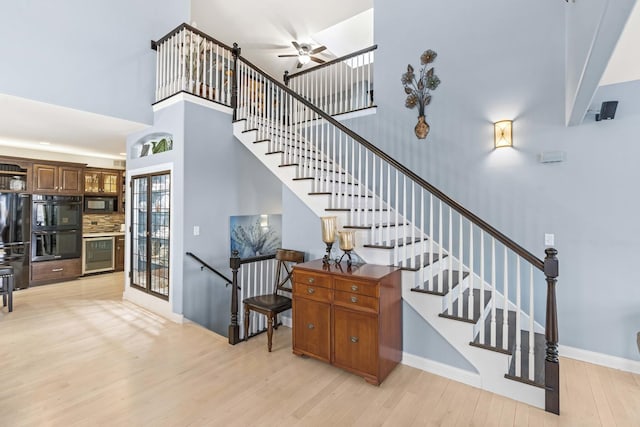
point(168, 120)
point(504, 59)
point(222, 178)
point(87, 55)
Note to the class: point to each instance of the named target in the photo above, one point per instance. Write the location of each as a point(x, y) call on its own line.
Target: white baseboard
point(437, 368)
point(185, 96)
point(602, 359)
point(286, 321)
point(153, 304)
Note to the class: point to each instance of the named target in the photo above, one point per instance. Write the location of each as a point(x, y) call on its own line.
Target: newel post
point(286, 78)
point(551, 363)
point(234, 84)
point(234, 328)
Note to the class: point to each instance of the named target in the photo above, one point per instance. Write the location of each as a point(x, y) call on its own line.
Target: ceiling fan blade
point(288, 56)
point(318, 60)
point(299, 65)
point(318, 50)
point(296, 45)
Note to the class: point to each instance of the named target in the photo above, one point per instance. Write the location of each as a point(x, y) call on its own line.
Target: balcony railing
point(340, 86)
point(191, 61)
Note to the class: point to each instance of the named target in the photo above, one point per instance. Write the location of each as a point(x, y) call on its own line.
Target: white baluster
point(532, 331)
point(460, 265)
point(482, 307)
point(505, 320)
point(471, 273)
point(430, 276)
point(518, 352)
point(440, 279)
point(421, 238)
point(493, 292)
point(388, 202)
point(409, 262)
point(414, 224)
point(396, 255)
point(450, 264)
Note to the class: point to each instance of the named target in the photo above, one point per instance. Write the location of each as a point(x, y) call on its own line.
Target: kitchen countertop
point(104, 234)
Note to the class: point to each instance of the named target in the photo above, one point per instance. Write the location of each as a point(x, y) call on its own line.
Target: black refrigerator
point(15, 233)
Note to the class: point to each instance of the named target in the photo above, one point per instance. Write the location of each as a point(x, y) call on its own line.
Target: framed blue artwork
point(255, 235)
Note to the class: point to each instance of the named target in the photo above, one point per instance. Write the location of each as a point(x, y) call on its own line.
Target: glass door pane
point(160, 212)
point(139, 231)
point(150, 233)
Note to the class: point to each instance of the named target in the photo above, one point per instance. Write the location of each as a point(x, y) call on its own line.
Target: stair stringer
point(491, 366)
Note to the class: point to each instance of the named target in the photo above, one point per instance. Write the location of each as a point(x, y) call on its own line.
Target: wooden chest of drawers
point(351, 318)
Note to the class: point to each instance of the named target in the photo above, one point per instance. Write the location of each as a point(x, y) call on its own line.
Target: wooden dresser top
point(363, 271)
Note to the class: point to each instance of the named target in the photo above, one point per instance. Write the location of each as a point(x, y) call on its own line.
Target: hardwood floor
point(75, 354)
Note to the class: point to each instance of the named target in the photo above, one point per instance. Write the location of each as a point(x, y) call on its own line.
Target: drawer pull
point(354, 339)
point(354, 299)
point(311, 280)
point(57, 269)
point(354, 288)
point(310, 326)
point(310, 290)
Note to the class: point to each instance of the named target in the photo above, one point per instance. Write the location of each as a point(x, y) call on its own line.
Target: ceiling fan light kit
point(305, 54)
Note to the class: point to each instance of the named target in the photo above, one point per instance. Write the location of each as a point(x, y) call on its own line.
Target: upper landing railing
point(340, 86)
point(190, 61)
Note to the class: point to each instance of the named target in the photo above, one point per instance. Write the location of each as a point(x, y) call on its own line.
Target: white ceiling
point(624, 64)
point(263, 29)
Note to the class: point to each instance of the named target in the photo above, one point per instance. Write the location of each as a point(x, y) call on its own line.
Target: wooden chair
point(272, 304)
point(6, 286)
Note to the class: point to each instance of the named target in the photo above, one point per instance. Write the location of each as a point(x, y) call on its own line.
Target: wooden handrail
point(333, 61)
point(535, 261)
point(154, 44)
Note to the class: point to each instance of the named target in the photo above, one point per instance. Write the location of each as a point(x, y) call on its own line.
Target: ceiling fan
point(305, 53)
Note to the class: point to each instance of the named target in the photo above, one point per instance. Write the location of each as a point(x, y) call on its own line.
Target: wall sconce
point(503, 134)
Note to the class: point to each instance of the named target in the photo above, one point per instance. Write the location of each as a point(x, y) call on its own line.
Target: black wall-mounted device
point(607, 111)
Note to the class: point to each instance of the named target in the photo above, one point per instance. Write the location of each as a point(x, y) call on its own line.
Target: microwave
point(99, 204)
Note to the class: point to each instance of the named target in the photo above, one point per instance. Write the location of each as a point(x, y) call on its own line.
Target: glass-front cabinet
point(150, 233)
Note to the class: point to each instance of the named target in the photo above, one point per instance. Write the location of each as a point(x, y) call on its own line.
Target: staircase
point(471, 283)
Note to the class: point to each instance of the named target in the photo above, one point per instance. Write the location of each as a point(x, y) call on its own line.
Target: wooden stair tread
point(405, 265)
point(499, 336)
point(356, 210)
point(539, 352)
point(464, 316)
point(392, 243)
point(368, 227)
point(329, 193)
point(444, 276)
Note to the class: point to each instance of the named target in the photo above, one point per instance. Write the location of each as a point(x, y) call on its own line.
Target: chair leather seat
point(269, 302)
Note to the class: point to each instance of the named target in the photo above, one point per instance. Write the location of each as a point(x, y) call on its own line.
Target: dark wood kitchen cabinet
point(349, 317)
point(55, 271)
point(102, 181)
point(58, 178)
point(119, 261)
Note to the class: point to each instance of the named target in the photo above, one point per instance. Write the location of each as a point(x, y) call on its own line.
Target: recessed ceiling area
point(33, 125)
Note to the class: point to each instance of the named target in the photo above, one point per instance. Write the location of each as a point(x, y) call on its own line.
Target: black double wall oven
point(56, 227)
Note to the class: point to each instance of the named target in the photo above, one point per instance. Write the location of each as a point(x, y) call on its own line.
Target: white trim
point(187, 97)
point(601, 359)
point(286, 321)
point(151, 303)
point(466, 377)
point(354, 114)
